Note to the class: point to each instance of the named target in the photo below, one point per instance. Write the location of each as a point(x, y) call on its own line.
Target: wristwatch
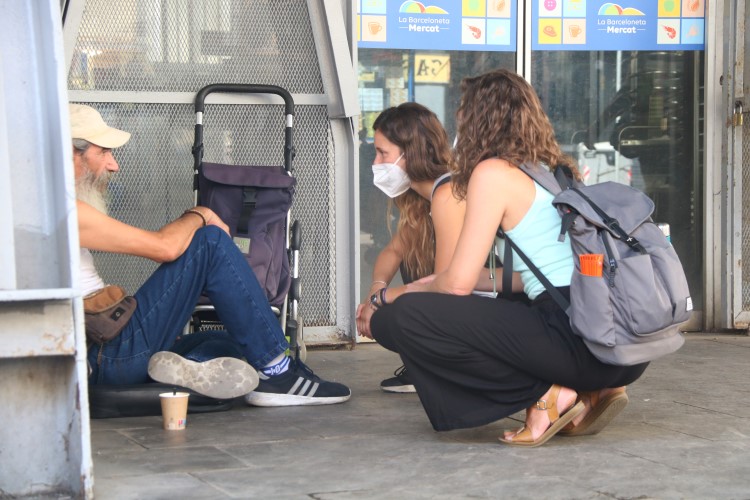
point(377, 299)
point(374, 300)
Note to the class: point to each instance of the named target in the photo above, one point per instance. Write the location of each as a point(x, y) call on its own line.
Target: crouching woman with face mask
point(412, 160)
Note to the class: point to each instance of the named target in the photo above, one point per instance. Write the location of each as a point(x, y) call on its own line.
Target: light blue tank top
point(536, 235)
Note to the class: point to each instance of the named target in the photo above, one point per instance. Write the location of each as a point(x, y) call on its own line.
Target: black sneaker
point(296, 387)
point(399, 383)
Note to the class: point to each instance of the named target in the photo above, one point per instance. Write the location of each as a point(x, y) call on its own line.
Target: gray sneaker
point(220, 378)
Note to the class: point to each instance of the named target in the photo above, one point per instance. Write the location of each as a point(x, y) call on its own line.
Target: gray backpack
point(632, 313)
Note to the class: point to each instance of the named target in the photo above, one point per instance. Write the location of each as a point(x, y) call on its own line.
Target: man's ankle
point(277, 367)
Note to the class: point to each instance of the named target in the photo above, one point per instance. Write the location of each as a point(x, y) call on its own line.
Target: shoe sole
point(268, 399)
point(600, 416)
point(400, 389)
point(219, 378)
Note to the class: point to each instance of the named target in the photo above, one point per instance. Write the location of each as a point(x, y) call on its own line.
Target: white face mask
point(390, 178)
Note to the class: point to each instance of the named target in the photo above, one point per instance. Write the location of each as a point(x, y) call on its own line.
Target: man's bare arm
point(98, 231)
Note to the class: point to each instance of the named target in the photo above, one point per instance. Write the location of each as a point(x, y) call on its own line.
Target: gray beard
point(93, 191)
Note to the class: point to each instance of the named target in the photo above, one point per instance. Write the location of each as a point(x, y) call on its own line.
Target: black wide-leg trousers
point(475, 360)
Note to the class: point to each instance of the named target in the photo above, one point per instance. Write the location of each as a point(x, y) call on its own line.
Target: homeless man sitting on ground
point(197, 257)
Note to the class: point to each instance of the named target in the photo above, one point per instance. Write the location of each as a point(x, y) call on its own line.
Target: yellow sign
point(430, 68)
point(550, 31)
point(473, 8)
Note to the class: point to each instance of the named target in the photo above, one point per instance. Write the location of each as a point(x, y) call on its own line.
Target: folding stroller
point(254, 201)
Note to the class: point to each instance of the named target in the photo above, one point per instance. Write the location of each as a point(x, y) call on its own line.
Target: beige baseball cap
point(86, 123)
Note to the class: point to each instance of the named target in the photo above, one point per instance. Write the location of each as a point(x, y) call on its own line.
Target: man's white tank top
point(90, 279)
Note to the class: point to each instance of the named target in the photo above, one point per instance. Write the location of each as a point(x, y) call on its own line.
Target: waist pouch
point(107, 311)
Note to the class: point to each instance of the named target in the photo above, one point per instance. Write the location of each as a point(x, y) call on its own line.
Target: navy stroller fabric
point(227, 189)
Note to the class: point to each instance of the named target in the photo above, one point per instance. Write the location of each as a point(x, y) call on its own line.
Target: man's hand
point(211, 218)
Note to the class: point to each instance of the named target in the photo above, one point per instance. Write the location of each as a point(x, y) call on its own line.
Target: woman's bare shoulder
point(444, 194)
point(493, 169)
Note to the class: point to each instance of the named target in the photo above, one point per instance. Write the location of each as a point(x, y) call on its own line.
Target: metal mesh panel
point(154, 185)
point(183, 45)
point(746, 213)
point(314, 207)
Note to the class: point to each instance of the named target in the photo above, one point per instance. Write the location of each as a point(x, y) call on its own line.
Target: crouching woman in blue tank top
point(475, 360)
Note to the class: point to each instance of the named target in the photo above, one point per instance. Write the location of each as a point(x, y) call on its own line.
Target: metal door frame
point(728, 297)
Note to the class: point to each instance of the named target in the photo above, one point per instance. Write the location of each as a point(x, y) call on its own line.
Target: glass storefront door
point(635, 117)
point(623, 88)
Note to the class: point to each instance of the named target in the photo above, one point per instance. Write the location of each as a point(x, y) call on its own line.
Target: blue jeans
point(212, 265)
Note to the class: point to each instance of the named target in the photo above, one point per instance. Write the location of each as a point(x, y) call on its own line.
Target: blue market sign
point(628, 25)
point(478, 25)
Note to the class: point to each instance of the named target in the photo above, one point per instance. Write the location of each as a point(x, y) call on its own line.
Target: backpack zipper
point(612, 263)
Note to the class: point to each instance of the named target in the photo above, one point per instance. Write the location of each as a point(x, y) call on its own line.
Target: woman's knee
point(389, 322)
point(380, 327)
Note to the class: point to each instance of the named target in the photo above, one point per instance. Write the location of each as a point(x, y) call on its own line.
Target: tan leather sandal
point(601, 412)
point(557, 421)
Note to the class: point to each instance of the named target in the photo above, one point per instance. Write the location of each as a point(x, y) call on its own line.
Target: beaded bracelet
point(196, 212)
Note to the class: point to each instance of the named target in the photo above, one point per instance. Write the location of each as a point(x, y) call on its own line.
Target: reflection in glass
point(635, 118)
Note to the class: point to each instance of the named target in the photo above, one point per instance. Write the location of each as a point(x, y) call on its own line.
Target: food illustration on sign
point(475, 32)
point(375, 27)
point(671, 32)
point(549, 31)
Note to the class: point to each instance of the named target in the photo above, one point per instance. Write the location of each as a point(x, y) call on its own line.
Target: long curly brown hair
point(501, 116)
point(420, 135)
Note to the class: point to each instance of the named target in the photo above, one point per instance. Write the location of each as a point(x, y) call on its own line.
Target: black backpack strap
point(507, 266)
point(508, 273)
point(613, 224)
point(564, 176)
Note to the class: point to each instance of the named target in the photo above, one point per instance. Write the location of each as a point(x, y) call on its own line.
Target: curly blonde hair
point(501, 116)
point(420, 135)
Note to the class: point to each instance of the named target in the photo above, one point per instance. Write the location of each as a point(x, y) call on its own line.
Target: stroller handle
point(235, 88)
point(240, 88)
